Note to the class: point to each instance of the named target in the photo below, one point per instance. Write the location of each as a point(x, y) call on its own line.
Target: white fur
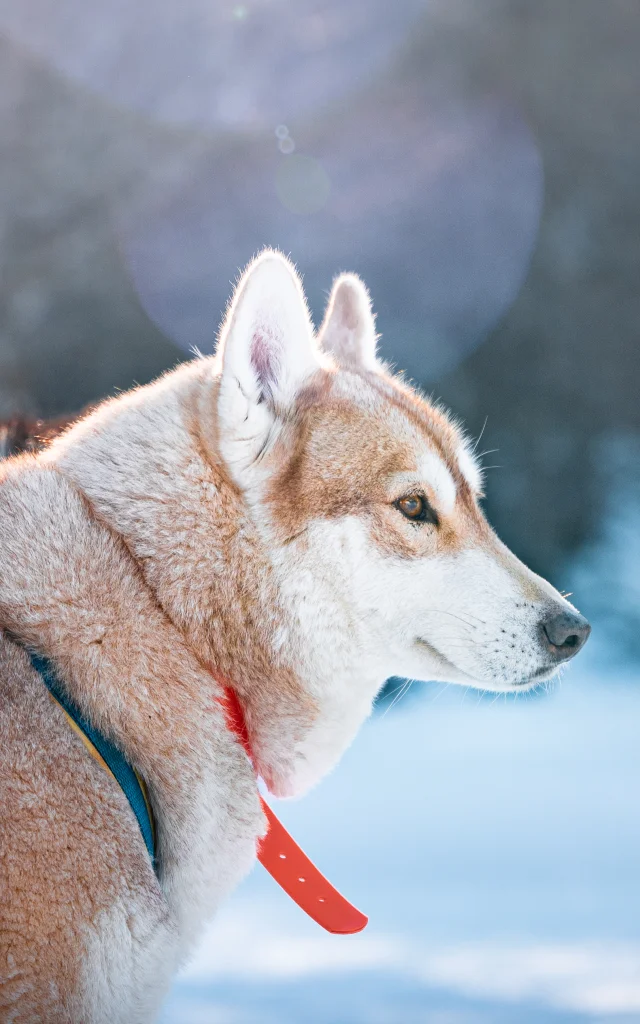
point(141, 953)
point(433, 469)
point(470, 467)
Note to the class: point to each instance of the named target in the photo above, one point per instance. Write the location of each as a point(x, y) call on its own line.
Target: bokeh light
point(435, 202)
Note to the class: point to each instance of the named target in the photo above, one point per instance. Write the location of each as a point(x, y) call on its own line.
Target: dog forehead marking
point(433, 470)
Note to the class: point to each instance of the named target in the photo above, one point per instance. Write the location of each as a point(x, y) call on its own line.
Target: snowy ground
point(495, 846)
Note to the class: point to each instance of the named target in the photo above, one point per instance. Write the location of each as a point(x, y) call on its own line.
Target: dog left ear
point(348, 331)
point(267, 341)
point(267, 351)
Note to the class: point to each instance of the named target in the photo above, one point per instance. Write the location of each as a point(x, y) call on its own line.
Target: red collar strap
point(286, 862)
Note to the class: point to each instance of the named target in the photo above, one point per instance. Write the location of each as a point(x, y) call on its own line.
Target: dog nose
point(565, 633)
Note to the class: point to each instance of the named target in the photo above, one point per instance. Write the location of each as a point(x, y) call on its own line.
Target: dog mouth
point(540, 676)
point(444, 661)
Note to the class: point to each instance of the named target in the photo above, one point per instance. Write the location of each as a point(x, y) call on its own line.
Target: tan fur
point(76, 594)
point(58, 800)
point(344, 452)
point(234, 523)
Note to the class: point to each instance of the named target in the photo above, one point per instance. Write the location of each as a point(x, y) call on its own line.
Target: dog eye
point(416, 508)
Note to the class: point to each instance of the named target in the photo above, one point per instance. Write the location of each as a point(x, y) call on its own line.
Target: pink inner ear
point(264, 359)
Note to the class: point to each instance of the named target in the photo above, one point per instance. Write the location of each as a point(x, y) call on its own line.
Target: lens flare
point(439, 217)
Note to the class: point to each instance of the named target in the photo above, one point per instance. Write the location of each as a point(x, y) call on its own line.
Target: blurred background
point(478, 163)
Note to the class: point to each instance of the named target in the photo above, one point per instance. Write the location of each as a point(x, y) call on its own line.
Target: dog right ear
point(348, 330)
point(267, 351)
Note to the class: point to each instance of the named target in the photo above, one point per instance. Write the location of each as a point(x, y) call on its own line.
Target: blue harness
point(103, 750)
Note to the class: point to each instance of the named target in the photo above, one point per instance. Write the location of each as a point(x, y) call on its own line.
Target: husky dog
point(285, 518)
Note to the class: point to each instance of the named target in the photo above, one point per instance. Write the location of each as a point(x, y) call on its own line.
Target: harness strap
point(106, 754)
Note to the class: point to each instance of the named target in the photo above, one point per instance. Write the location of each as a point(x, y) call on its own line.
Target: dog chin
point(502, 686)
point(287, 782)
point(293, 780)
point(281, 788)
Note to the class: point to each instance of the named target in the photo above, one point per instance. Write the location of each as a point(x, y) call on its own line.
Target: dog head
point(368, 498)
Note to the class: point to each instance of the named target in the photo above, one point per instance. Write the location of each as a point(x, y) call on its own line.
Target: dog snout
point(564, 634)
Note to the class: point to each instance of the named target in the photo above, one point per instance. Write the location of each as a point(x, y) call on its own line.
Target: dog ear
point(348, 330)
point(266, 341)
point(266, 351)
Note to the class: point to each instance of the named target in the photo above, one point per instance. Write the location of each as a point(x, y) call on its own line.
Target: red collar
point(286, 862)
